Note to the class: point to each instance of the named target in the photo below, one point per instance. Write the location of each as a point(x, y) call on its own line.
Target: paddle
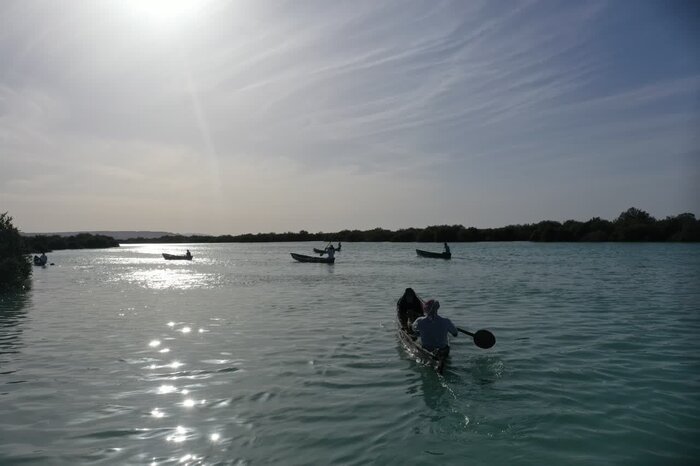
point(482, 338)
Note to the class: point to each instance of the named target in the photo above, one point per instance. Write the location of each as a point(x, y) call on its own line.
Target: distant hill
point(118, 235)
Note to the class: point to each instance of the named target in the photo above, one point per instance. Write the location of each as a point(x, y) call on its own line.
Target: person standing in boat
point(433, 329)
point(188, 253)
point(409, 307)
point(330, 251)
point(338, 248)
point(447, 248)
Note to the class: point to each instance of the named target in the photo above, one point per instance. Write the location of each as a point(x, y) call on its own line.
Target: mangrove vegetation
point(631, 225)
point(15, 267)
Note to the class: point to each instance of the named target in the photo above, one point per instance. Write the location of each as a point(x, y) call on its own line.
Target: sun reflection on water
point(188, 403)
point(179, 436)
point(165, 278)
point(165, 389)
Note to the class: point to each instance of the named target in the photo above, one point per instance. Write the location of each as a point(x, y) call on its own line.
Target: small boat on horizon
point(321, 260)
point(434, 255)
point(325, 250)
point(173, 257)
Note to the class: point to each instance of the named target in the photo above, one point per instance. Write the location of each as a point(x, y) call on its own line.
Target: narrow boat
point(173, 257)
point(40, 261)
point(303, 258)
point(435, 359)
point(434, 255)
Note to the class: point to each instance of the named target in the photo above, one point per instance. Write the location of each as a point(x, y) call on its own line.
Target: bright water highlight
point(244, 356)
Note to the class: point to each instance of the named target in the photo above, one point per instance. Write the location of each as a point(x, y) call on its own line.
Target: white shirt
point(433, 332)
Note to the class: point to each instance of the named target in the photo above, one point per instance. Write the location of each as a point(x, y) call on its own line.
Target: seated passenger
point(409, 307)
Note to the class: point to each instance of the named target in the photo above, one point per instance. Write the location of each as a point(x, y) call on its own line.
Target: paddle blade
point(484, 339)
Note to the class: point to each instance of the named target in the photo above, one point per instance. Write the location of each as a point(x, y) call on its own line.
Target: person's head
point(409, 295)
point(431, 307)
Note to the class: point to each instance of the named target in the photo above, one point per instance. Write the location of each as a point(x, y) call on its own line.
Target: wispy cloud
point(257, 109)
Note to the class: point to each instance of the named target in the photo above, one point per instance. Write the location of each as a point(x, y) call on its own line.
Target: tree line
point(48, 243)
point(631, 225)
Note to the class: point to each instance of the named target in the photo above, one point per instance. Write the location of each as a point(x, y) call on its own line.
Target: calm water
point(245, 357)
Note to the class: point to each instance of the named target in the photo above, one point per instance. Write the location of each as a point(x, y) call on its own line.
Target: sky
point(228, 117)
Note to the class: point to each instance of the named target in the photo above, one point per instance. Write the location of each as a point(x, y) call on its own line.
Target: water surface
point(244, 356)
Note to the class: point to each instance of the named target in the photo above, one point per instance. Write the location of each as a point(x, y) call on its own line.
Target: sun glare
point(165, 14)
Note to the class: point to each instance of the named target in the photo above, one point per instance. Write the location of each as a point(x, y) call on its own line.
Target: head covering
point(431, 307)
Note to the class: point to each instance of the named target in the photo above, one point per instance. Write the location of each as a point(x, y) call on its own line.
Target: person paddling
point(409, 307)
point(433, 329)
point(447, 249)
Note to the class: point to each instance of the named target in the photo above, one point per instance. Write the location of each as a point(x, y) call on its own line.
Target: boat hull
point(434, 255)
point(321, 260)
point(435, 359)
point(173, 257)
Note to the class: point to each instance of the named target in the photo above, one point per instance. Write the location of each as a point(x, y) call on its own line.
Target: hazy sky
point(233, 116)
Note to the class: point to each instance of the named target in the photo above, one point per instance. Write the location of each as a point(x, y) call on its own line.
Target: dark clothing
point(408, 312)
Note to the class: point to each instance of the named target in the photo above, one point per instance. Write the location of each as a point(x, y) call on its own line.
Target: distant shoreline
point(633, 225)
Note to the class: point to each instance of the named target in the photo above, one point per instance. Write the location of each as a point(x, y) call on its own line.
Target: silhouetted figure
point(409, 307)
point(338, 248)
point(447, 249)
point(188, 253)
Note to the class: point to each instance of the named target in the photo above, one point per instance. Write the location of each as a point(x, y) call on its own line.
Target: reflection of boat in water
point(173, 257)
point(303, 258)
point(434, 255)
point(435, 359)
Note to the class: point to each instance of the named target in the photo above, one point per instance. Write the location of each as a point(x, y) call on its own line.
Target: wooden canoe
point(411, 343)
point(434, 255)
point(303, 258)
point(173, 257)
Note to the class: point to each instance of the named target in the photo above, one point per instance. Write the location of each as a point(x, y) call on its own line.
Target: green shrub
point(15, 267)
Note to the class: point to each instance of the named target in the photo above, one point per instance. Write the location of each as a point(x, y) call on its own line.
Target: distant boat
point(40, 260)
point(173, 257)
point(434, 255)
point(303, 258)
